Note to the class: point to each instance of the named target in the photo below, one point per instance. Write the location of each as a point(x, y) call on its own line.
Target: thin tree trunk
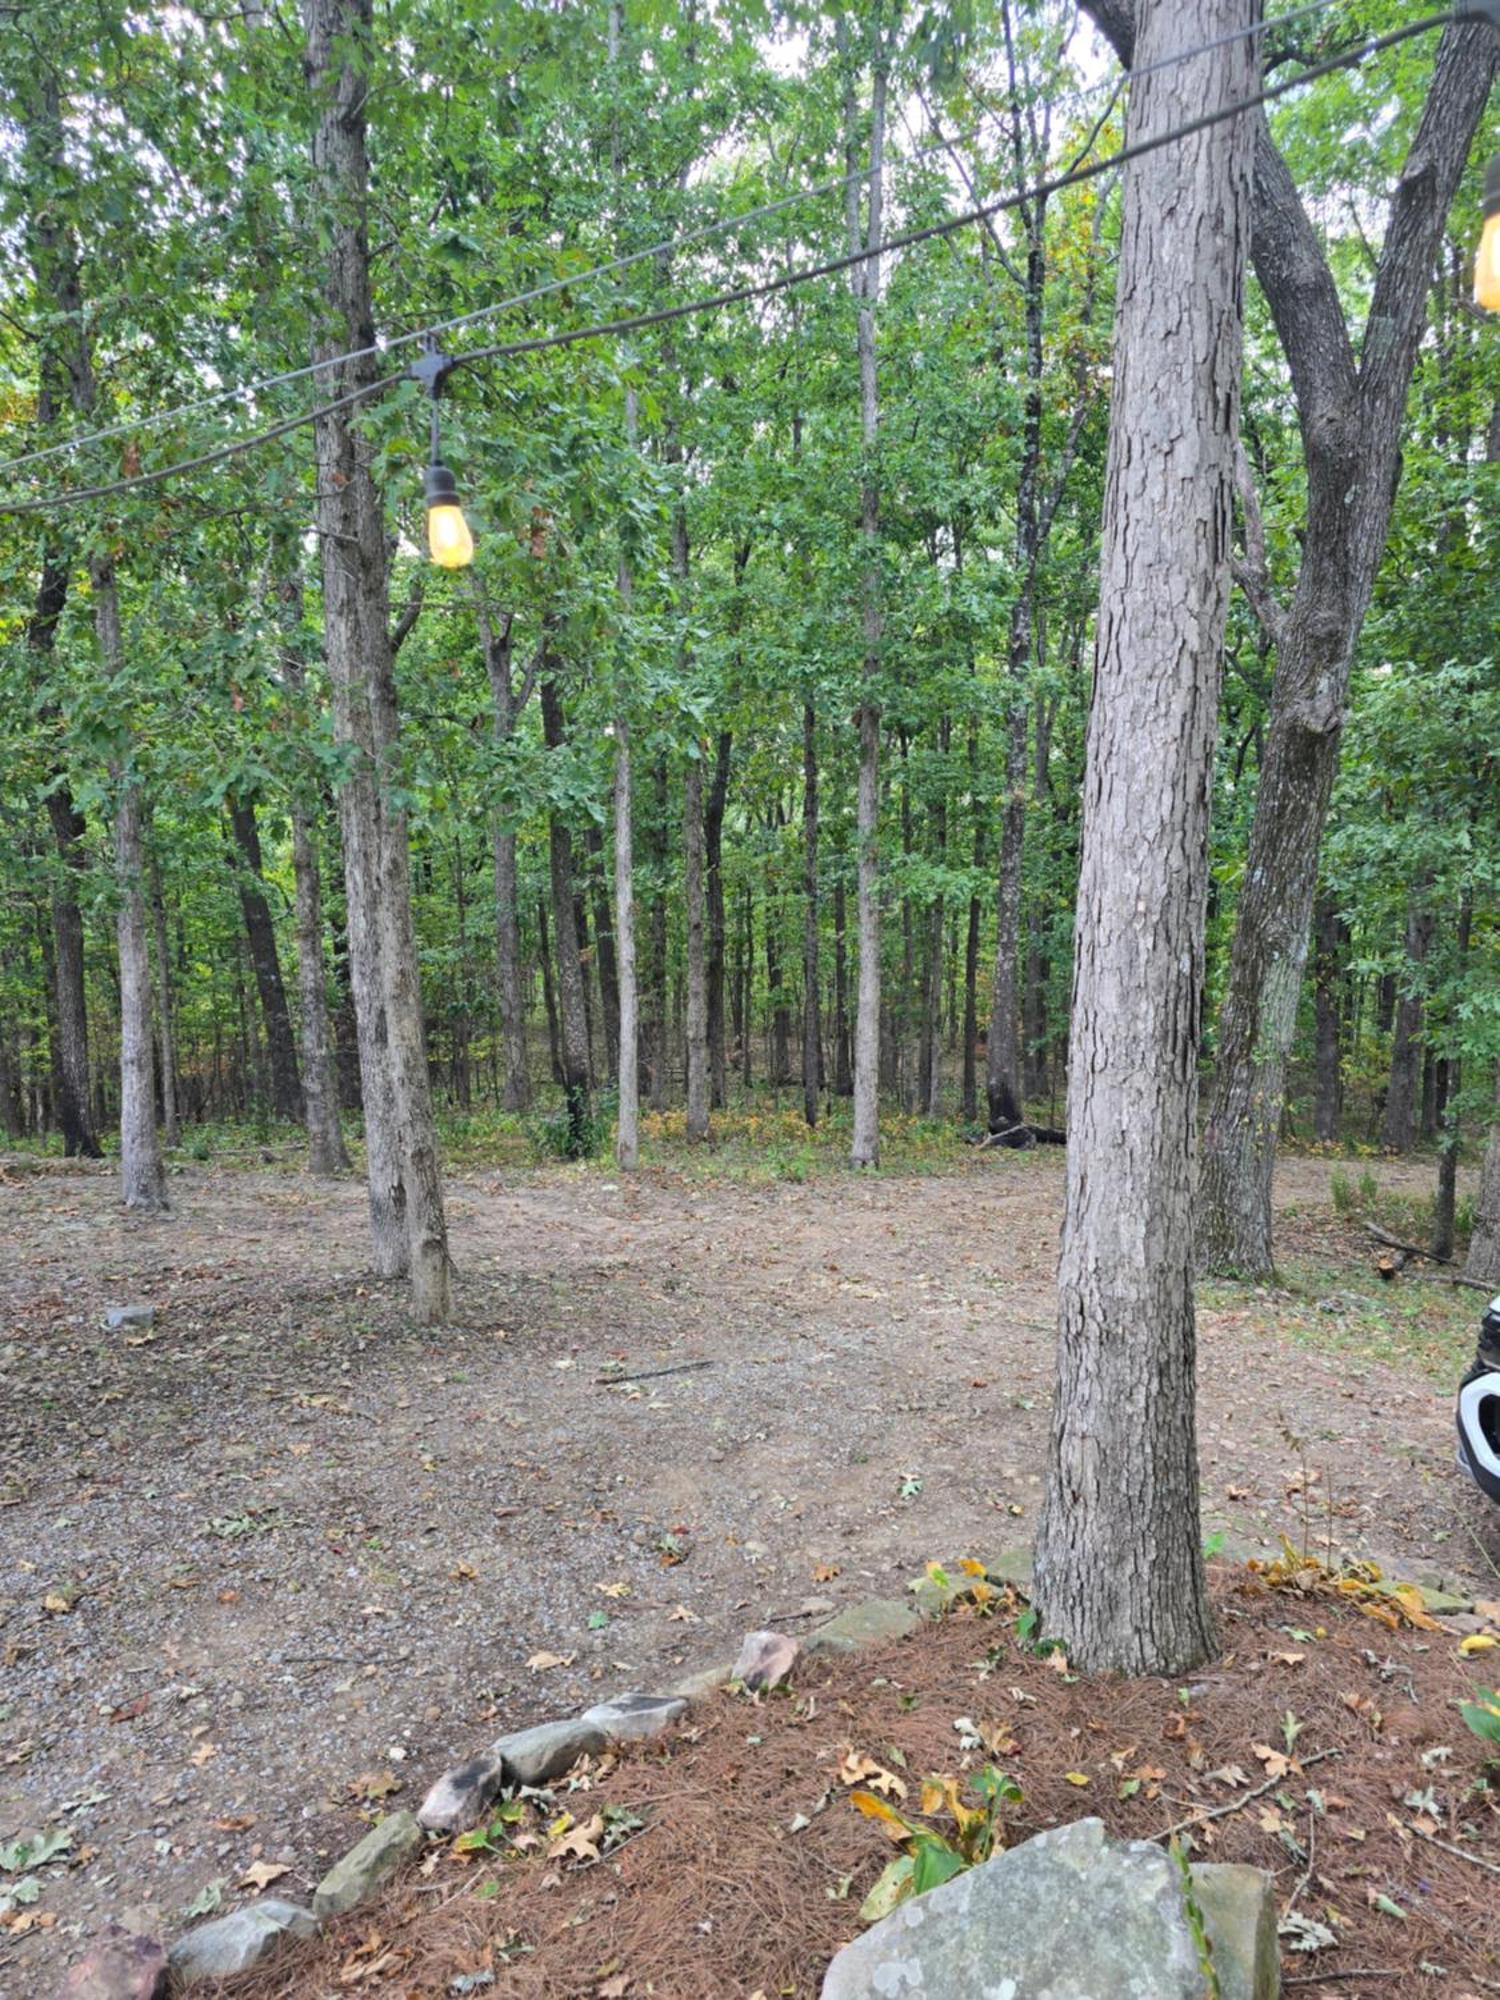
point(1445, 1207)
point(713, 845)
point(697, 971)
point(604, 949)
point(656, 1033)
point(1484, 1245)
point(572, 1013)
point(812, 1028)
point(864, 1150)
point(781, 1020)
point(1399, 1133)
point(1328, 973)
point(515, 1092)
point(166, 1043)
point(843, 1071)
point(549, 992)
point(628, 1139)
point(745, 989)
point(260, 933)
point(79, 1136)
point(971, 948)
point(932, 1005)
point(143, 1180)
point(1119, 1563)
point(327, 1154)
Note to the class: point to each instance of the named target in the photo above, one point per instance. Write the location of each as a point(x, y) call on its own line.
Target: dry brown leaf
point(541, 1663)
point(261, 1874)
point(824, 1572)
point(578, 1843)
point(857, 1769)
point(616, 1988)
point(1277, 1764)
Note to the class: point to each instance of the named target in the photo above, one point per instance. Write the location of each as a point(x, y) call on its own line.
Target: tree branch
point(1251, 572)
point(410, 614)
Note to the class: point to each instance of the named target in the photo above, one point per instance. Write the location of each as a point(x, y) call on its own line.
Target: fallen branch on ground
point(649, 1374)
point(1234, 1805)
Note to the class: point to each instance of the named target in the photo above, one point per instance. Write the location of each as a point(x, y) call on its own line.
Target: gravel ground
point(286, 1556)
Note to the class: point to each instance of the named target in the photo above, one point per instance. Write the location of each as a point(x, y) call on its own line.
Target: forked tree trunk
point(408, 1225)
point(260, 933)
point(697, 971)
point(812, 1027)
point(1119, 1563)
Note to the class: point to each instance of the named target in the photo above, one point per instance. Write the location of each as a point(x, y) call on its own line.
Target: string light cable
point(688, 240)
point(1486, 10)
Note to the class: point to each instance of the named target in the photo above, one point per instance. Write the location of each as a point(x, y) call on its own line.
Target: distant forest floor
point(286, 1553)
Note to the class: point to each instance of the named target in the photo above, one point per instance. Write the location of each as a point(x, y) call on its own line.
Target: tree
point(1119, 1566)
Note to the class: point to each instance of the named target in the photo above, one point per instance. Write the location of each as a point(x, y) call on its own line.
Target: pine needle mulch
point(726, 1861)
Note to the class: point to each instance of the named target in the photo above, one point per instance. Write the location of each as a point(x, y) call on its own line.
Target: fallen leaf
point(541, 1663)
point(680, 1615)
point(824, 1572)
point(1077, 1777)
point(576, 1843)
point(261, 1874)
point(203, 1753)
point(1277, 1765)
point(1477, 1642)
point(57, 1604)
point(129, 1710)
point(616, 1988)
point(858, 1770)
point(613, 1589)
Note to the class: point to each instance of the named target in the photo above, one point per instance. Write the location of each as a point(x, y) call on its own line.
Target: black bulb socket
point(442, 489)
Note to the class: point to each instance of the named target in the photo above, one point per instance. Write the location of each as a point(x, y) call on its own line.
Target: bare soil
point(284, 1559)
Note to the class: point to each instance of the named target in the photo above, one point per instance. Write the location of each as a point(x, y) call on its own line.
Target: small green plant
point(931, 1856)
point(1483, 1717)
point(1197, 1927)
point(1341, 1193)
point(1369, 1189)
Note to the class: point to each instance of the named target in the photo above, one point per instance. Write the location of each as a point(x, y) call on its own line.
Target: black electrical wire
point(672, 245)
point(803, 274)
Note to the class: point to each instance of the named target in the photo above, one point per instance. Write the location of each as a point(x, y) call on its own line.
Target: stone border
point(129, 1967)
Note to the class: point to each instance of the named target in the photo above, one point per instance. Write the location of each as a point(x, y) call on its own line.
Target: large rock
point(537, 1756)
point(368, 1865)
point(238, 1941)
point(118, 1319)
point(766, 1658)
point(631, 1718)
point(120, 1967)
point(869, 1624)
point(1069, 1913)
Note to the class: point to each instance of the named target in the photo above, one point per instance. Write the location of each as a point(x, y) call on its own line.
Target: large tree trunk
point(812, 1028)
point(864, 1150)
point(1399, 1132)
point(1119, 1564)
point(326, 1152)
point(406, 1197)
point(572, 1013)
point(143, 1180)
point(515, 1092)
point(260, 933)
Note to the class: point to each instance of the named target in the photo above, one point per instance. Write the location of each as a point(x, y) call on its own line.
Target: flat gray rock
point(116, 1317)
point(869, 1624)
point(631, 1718)
point(365, 1867)
point(537, 1756)
point(1069, 1913)
point(707, 1681)
point(459, 1798)
point(766, 1658)
point(238, 1941)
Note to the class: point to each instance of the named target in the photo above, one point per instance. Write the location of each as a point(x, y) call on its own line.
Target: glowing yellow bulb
point(1487, 265)
point(449, 541)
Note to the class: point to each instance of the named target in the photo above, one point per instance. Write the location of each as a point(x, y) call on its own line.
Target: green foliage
point(930, 1855)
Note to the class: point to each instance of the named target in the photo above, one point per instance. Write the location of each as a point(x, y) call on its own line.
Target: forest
point(671, 674)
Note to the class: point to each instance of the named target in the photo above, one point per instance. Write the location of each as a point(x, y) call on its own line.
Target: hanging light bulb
point(450, 541)
point(1487, 260)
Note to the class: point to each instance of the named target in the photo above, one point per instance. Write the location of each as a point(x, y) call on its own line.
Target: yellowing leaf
point(874, 1808)
point(1276, 1764)
point(261, 1874)
point(1077, 1777)
point(613, 1589)
point(578, 1843)
point(1477, 1642)
point(857, 1769)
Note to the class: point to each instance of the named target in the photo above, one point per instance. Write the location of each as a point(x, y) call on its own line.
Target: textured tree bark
point(655, 1037)
point(1119, 1565)
point(260, 934)
point(864, 1149)
point(1483, 1261)
point(604, 949)
point(1399, 1130)
point(408, 1225)
point(971, 949)
point(812, 1025)
point(1328, 973)
point(572, 1017)
point(713, 847)
point(628, 1135)
point(165, 1030)
point(843, 1072)
point(79, 1137)
point(697, 970)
